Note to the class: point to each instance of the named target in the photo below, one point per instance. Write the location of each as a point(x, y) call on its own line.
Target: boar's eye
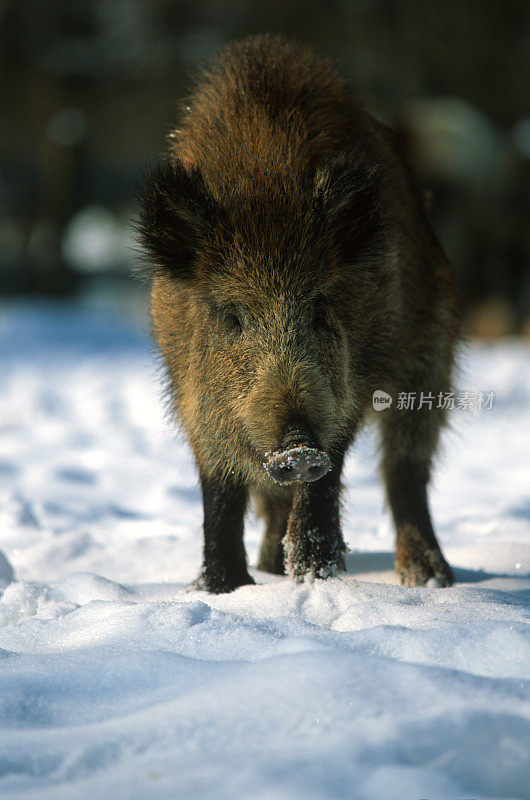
point(233, 322)
point(320, 321)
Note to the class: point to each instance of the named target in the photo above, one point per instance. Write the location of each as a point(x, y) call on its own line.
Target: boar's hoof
point(220, 583)
point(427, 568)
point(297, 465)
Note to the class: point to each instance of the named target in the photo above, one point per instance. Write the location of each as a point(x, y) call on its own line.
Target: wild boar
point(294, 274)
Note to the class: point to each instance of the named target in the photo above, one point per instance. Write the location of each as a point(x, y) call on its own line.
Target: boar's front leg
point(224, 558)
point(409, 441)
point(418, 555)
point(313, 543)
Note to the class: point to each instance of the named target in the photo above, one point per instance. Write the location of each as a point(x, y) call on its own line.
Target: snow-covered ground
point(118, 684)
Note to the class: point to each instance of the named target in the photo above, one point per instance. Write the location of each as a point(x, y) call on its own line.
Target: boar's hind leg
point(224, 559)
point(274, 508)
point(313, 542)
point(409, 441)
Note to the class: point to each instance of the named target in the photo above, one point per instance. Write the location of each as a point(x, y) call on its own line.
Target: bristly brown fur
point(294, 273)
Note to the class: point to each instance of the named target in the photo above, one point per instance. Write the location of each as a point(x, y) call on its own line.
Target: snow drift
point(118, 682)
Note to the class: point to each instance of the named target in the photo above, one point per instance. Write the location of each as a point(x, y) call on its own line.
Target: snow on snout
point(300, 463)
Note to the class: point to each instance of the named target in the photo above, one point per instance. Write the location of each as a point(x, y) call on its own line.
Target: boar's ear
point(348, 192)
point(176, 214)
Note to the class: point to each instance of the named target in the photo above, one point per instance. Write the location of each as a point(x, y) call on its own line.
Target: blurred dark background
point(89, 90)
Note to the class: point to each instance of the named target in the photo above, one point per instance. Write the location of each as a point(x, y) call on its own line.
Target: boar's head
point(264, 303)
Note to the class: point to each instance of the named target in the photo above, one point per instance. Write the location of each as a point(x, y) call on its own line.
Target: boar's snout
point(298, 465)
point(298, 460)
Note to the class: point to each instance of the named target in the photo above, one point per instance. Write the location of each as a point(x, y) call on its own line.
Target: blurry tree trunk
point(60, 174)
